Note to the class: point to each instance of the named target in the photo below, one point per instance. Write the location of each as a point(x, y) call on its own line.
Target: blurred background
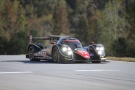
point(109, 22)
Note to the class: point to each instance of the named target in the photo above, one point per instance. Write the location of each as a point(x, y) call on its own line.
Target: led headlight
point(101, 48)
point(67, 50)
point(97, 48)
point(64, 49)
point(99, 52)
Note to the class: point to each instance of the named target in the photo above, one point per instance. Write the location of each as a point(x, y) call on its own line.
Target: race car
point(96, 51)
point(61, 49)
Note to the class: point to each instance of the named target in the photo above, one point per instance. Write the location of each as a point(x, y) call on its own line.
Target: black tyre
point(31, 54)
point(57, 57)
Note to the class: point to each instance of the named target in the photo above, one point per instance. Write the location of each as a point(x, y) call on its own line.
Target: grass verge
point(127, 59)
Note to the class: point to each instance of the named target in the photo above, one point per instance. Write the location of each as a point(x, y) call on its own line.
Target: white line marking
point(15, 72)
point(94, 70)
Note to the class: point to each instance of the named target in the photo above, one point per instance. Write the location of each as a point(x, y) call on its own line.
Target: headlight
point(101, 48)
point(99, 52)
point(97, 48)
point(64, 49)
point(67, 50)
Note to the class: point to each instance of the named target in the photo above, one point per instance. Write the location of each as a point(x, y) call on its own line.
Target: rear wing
point(37, 38)
point(50, 37)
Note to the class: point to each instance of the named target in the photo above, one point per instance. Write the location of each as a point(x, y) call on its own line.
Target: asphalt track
point(18, 73)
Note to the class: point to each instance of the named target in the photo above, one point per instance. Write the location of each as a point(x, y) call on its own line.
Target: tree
point(112, 23)
point(131, 30)
point(60, 19)
point(13, 22)
point(120, 47)
point(40, 15)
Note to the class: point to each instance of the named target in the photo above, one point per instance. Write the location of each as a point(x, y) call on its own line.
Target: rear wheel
point(31, 54)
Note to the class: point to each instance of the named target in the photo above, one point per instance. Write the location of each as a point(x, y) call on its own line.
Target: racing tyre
point(57, 57)
point(31, 54)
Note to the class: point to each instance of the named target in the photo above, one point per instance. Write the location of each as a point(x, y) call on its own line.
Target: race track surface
point(18, 73)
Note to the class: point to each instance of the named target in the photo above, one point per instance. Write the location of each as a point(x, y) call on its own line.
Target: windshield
point(73, 43)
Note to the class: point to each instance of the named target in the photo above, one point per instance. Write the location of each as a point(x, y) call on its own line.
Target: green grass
point(128, 59)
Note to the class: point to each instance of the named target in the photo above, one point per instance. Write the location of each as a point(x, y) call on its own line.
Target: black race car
point(61, 49)
point(96, 51)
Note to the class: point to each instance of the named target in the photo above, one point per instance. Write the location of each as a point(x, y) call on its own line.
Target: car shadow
point(51, 62)
point(31, 62)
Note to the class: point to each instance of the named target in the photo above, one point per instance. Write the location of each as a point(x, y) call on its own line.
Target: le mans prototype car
point(61, 49)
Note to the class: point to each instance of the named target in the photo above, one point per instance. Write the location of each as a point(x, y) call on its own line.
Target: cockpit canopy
point(73, 43)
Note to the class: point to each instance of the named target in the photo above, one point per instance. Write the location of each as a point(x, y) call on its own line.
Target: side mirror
point(91, 42)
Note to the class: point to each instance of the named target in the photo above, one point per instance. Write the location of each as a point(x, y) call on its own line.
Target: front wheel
point(57, 57)
point(31, 55)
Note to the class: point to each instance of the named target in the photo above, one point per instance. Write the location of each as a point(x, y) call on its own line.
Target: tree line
point(110, 22)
